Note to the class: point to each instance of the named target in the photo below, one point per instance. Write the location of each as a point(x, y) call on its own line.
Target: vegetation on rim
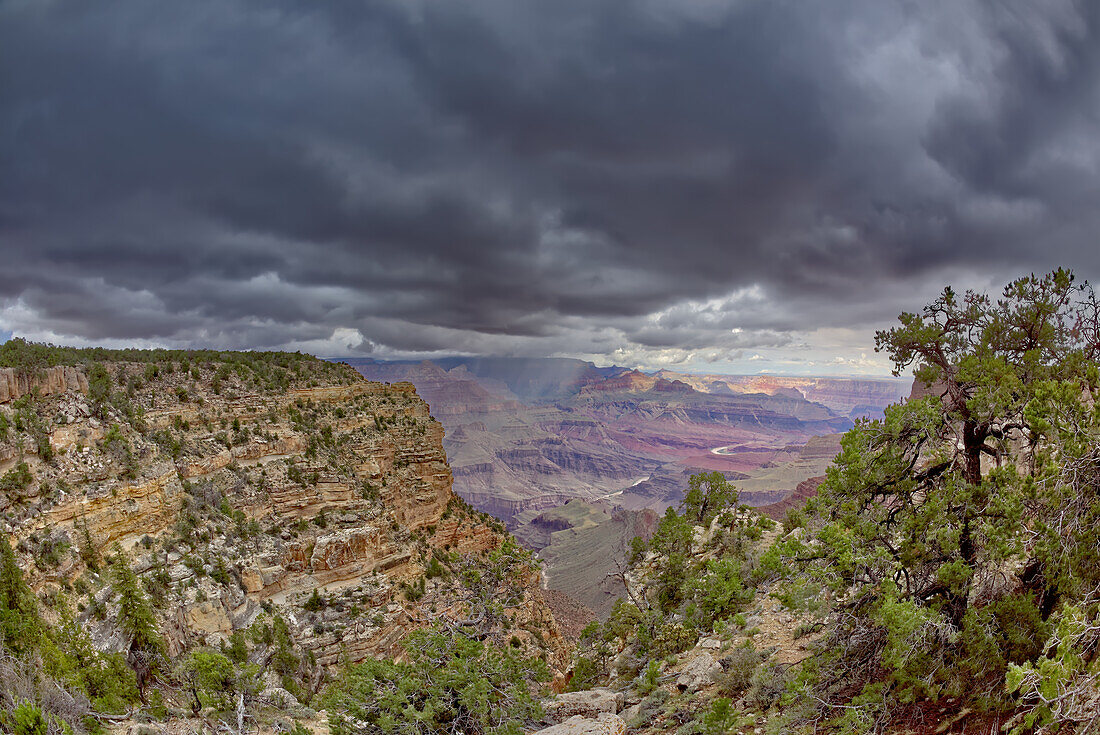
point(949, 556)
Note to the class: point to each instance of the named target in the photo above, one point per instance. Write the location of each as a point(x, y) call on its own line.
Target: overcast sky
point(710, 185)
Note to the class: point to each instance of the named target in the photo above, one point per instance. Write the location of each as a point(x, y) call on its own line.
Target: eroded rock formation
point(305, 493)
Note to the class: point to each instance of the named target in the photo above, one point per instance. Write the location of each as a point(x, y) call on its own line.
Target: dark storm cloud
point(516, 176)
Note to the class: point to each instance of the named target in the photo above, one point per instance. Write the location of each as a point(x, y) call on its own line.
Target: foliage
point(315, 602)
point(86, 548)
point(20, 623)
point(28, 719)
point(104, 678)
point(1059, 687)
point(26, 418)
point(99, 388)
point(16, 479)
point(684, 589)
point(996, 468)
point(213, 681)
point(147, 651)
point(451, 683)
point(720, 718)
point(708, 495)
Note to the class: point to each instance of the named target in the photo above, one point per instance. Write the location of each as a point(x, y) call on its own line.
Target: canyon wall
point(247, 494)
point(16, 383)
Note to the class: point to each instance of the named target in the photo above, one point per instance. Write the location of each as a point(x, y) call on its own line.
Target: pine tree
point(20, 624)
point(708, 494)
point(147, 651)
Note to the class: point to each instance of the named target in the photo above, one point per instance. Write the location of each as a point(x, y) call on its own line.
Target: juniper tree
point(708, 494)
point(953, 527)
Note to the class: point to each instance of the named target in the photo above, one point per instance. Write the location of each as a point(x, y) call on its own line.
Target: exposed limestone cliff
point(47, 382)
point(245, 493)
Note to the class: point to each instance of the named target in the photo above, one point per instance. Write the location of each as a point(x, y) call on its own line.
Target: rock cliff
point(246, 489)
point(851, 397)
point(46, 381)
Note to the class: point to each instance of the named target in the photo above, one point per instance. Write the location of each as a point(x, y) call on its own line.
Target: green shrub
point(20, 624)
point(648, 681)
point(448, 678)
point(105, 678)
point(739, 667)
point(99, 388)
point(211, 679)
point(16, 479)
point(721, 718)
point(28, 719)
point(315, 602)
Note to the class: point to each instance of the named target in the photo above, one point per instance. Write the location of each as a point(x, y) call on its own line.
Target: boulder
point(602, 724)
point(587, 703)
point(252, 580)
point(208, 617)
point(281, 698)
point(701, 671)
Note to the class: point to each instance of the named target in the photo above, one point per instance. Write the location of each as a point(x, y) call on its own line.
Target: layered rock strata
point(319, 500)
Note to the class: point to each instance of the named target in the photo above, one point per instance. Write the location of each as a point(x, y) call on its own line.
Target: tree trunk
point(974, 437)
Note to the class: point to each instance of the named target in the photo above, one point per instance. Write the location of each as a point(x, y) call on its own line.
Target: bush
point(449, 678)
point(105, 678)
point(210, 678)
point(20, 624)
point(16, 479)
point(315, 602)
point(99, 388)
point(739, 667)
point(647, 682)
point(28, 719)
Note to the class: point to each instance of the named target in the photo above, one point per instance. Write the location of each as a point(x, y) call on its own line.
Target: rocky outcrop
point(119, 511)
point(851, 397)
point(602, 724)
point(45, 381)
point(588, 703)
point(637, 382)
point(805, 490)
point(239, 500)
point(701, 671)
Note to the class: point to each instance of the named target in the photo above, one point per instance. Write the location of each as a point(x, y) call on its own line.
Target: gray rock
point(587, 703)
point(701, 671)
point(602, 724)
point(281, 698)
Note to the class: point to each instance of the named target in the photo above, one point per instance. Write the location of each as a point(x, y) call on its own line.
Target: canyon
point(577, 460)
point(527, 434)
point(245, 489)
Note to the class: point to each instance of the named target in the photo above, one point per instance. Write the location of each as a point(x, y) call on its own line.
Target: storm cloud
point(650, 182)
